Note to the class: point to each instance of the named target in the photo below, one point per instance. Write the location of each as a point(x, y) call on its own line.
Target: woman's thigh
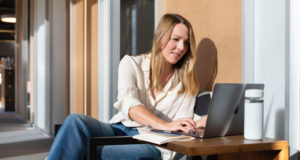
point(127, 152)
point(88, 126)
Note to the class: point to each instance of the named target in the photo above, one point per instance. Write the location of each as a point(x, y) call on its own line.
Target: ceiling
point(7, 30)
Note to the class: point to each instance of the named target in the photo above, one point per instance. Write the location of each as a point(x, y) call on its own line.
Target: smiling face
point(177, 45)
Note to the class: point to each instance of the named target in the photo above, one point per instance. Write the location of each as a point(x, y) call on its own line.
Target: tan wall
point(84, 57)
point(218, 30)
point(76, 57)
point(92, 59)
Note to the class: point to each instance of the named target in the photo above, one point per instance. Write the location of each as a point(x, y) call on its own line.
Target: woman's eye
point(175, 39)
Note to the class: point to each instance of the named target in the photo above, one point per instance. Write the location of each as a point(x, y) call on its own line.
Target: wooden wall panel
point(76, 56)
point(218, 30)
point(92, 61)
point(84, 57)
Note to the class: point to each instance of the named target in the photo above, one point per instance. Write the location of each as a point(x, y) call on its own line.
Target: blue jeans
point(71, 141)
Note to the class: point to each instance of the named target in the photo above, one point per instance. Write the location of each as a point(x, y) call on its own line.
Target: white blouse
point(133, 90)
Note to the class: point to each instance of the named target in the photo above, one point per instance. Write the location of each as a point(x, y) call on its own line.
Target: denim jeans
point(71, 141)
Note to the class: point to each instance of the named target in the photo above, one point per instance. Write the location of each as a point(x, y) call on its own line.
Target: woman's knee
point(87, 125)
point(75, 116)
point(74, 119)
point(82, 121)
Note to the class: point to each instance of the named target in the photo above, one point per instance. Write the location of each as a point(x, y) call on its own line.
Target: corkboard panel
point(218, 31)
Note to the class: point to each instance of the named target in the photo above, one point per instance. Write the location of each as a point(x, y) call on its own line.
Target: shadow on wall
point(267, 114)
point(207, 64)
point(279, 122)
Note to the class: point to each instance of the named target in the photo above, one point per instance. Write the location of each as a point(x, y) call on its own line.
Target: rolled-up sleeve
point(127, 86)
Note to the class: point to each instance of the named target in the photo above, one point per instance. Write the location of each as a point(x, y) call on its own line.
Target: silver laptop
point(226, 111)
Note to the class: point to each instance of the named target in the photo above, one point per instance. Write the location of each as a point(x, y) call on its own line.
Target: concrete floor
point(20, 141)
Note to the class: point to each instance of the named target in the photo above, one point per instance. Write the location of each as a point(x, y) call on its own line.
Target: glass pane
point(137, 26)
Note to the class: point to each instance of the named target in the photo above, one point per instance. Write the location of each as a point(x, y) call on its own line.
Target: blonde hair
point(184, 68)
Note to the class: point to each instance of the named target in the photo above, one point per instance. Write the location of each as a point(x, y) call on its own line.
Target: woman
point(156, 89)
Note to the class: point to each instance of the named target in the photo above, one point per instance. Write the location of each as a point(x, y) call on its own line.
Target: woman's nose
point(180, 46)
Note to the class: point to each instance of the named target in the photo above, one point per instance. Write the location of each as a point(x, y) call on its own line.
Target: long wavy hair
point(184, 68)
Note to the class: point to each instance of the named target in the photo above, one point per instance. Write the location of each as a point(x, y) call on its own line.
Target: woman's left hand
point(201, 122)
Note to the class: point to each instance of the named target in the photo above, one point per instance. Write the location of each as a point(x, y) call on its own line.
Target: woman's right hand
point(185, 125)
point(143, 116)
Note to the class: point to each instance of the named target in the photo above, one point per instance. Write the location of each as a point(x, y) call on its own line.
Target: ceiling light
point(8, 18)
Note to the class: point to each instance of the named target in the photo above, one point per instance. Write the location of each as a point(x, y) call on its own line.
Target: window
point(137, 26)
